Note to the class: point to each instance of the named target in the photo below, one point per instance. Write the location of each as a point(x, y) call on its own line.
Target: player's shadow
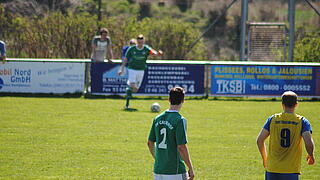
point(130, 109)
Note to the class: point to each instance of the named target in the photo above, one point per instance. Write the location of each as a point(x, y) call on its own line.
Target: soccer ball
point(155, 107)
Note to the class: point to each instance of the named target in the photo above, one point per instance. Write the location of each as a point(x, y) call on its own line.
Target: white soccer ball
point(155, 107)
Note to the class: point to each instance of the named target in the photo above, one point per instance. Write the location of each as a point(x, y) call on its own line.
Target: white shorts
point(170, 177)
point(135, 76)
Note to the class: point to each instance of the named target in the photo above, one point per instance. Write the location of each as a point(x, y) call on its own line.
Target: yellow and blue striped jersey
point(285, 143)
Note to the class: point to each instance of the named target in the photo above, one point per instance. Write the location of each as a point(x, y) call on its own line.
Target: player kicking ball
point(286, 131)
point(138, 56)
point(167, 141)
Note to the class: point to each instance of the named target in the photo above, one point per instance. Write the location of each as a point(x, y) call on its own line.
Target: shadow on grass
point(130, 109)
point(242, 99)
point(257, 99)
point(91, 96)
point(188, 98)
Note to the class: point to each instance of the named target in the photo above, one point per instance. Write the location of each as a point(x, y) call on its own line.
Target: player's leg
point(129, 90)
point(134, 87)
point(139, 79)
point(88, 77)
point(134, 82)
point(131, 86)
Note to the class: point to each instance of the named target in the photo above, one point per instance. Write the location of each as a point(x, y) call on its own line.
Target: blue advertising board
point(264, 80)
point(158, 79)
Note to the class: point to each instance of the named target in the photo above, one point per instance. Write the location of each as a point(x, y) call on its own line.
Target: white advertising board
point(41, 77)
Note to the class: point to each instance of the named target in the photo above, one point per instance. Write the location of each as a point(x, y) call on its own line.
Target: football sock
point(129, 92)
point(129, 95)
point(127, 102)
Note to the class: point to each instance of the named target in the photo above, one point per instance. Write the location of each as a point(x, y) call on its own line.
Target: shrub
point(60, 36)
point(307, 49)
point(184, 5)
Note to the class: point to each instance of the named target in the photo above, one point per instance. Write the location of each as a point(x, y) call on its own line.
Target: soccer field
point(77, 138)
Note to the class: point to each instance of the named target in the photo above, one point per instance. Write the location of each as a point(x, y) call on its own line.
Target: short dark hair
point(176, 95)
point(289, 99)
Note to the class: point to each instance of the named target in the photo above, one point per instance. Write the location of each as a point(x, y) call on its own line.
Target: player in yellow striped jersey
point(286, 131)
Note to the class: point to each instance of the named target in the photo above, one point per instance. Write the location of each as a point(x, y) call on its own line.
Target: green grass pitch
point(77, 138)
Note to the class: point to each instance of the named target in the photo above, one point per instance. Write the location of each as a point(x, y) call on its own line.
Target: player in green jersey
point(167, 141)
point(138, 56)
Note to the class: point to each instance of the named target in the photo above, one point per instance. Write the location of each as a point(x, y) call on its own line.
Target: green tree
point(69, 36)
point(184, 5)
point(307, 49)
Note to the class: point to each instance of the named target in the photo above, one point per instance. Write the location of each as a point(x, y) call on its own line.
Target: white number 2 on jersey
point(163, 144)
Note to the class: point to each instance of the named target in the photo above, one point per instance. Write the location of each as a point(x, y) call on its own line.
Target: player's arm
point(184, 153)
point(3, 58)
point(309, 144)
point(151, 147)
point(124, 62)
point(3, 54)
point(181, 139)
point(263, 135)
point(110, 53)
point(152, 140)
point(155, 52)
point(93, 49)
point(124, 50)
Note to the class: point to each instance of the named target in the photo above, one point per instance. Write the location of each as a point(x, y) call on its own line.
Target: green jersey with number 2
point(168, 131)
point(138, 57)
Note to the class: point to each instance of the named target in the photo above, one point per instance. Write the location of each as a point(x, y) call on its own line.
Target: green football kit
point(137, 63)
point(168, 131)
point(138, 57)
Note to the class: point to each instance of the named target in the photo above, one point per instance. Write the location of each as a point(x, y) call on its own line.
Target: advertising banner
point(158, 79)
point(39, 77)
point(264, 80)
